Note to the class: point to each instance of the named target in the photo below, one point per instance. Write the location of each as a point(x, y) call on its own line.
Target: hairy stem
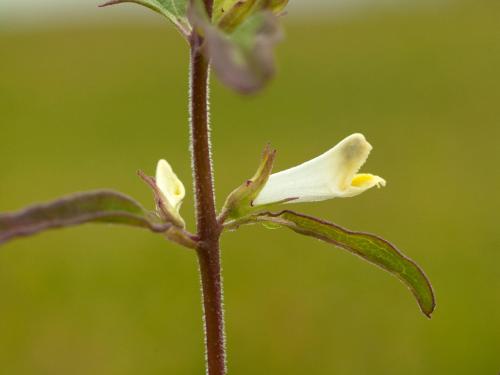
point(206, 218)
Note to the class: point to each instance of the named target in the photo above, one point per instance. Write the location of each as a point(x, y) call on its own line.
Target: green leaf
point(100, 206)
point(174, 10)
point(277, 6)
point(233, 12)
point(368, 246)
point(242, 58)
point(221, 7)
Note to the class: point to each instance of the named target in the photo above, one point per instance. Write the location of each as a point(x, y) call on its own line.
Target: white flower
point(330, 175)
point(171, 188)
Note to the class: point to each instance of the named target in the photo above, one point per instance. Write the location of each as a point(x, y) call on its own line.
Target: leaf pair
point(239, 38)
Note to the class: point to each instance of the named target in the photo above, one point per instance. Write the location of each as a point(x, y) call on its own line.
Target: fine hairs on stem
point(208, 228)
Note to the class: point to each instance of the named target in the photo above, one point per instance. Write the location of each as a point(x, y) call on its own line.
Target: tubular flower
point(171, 188)
point(330, 175)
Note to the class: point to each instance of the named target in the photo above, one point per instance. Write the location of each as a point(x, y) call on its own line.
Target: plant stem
point(207, 226)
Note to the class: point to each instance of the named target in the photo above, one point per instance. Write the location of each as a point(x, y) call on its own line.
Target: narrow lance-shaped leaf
point(243, 58)
point(368, 246)
point(102, 206)
point(174, 10)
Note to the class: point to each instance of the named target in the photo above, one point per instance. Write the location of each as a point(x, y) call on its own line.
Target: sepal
point(239, 203)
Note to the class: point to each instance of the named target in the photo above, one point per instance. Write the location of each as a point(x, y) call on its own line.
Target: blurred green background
point(84, 107)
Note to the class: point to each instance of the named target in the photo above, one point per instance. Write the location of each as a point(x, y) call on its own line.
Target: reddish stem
point(206, 217)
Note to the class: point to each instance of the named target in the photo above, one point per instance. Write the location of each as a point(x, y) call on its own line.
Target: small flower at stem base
point(169, 184)
point(169, 192)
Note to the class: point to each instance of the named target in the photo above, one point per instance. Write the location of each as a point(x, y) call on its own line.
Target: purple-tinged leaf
point(368, 246)
point(243, 58)
point(101, 206)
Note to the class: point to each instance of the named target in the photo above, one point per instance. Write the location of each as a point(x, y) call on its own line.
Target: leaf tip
point(432, 307)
